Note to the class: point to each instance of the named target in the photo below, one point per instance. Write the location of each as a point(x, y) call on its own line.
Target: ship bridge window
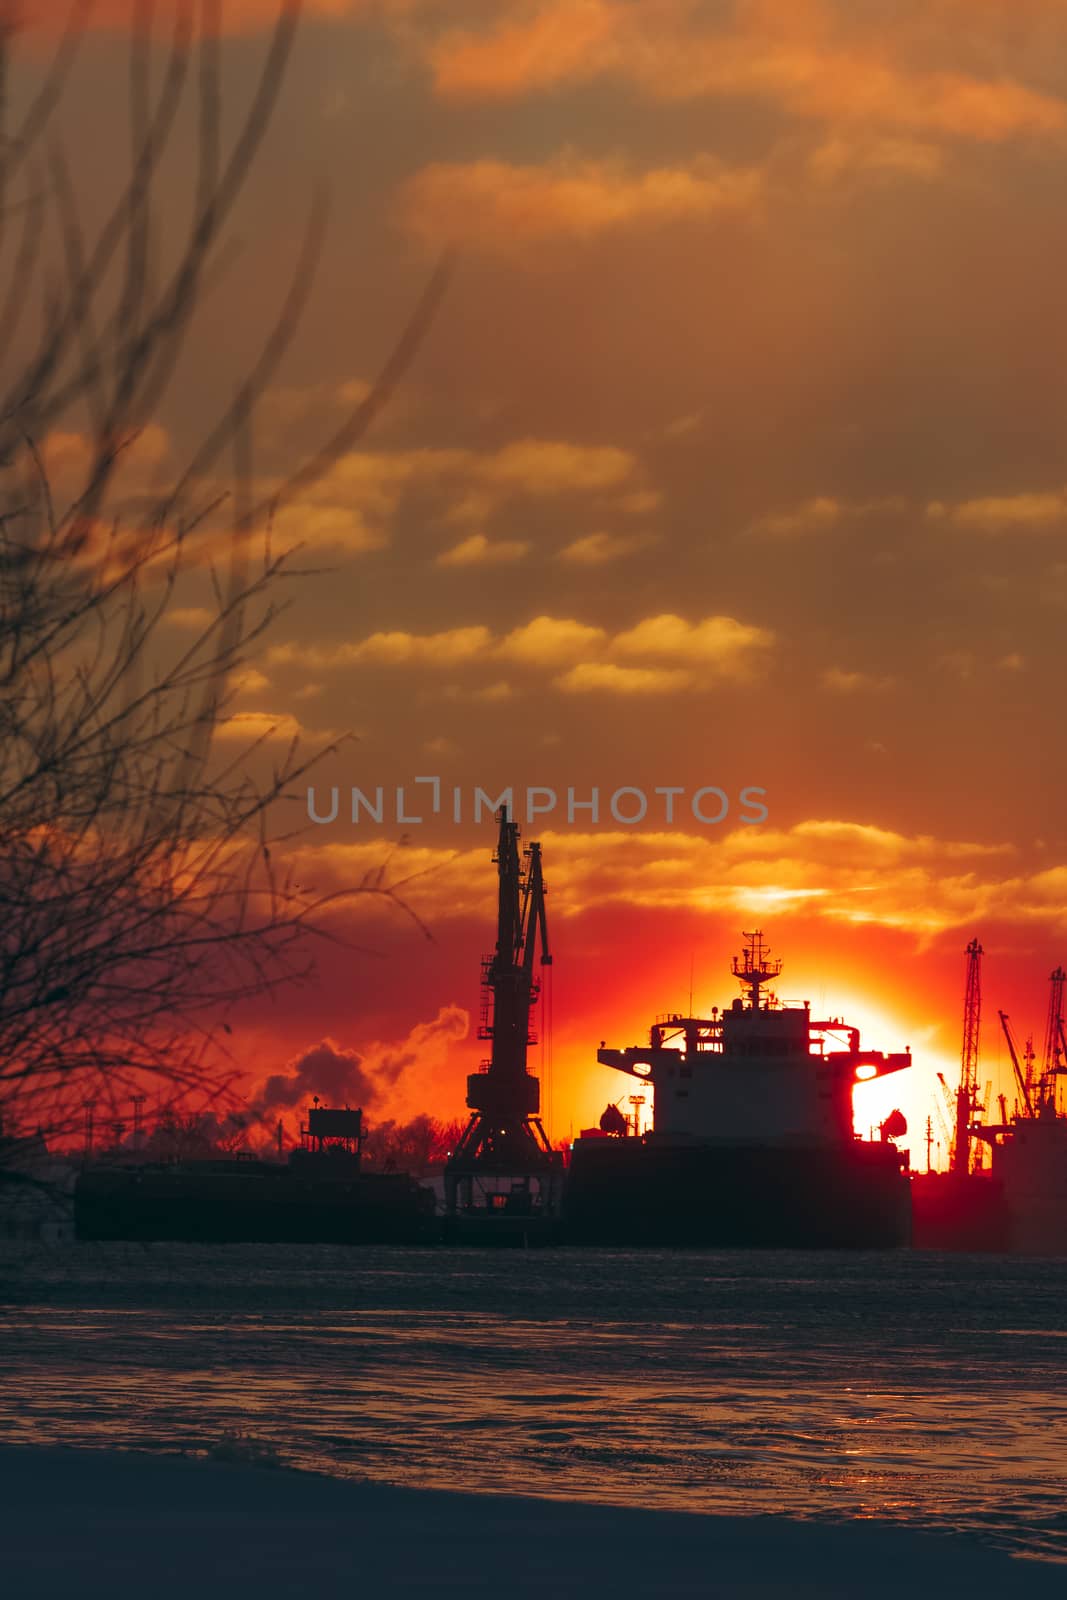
point(770, 1046)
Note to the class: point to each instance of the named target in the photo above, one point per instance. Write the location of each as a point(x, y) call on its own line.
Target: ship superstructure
point(752, 1139)
point(757, 1072)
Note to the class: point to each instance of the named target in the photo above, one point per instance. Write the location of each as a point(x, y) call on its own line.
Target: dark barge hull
point(251, 1203)
point(629, 1192)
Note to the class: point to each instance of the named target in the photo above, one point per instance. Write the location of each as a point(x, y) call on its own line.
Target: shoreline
point(113, 1522)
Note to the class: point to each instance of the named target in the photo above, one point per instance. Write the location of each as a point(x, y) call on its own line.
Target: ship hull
point(964, 1212)
point(633, 1192)
point(265, 1206)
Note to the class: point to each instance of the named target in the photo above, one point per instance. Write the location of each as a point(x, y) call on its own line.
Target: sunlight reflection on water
point(820, 1386)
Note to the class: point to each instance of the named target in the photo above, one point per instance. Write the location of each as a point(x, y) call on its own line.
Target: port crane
point(1055, 1050)
point(967, 1094)
point(505, 1137)
point(1021, 1078)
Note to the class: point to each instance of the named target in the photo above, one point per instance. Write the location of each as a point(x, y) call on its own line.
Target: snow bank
point(89, 1523)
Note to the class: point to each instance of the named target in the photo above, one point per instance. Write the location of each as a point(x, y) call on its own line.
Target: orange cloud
point(605, 675)
point(837, 871)
point(549, 640)
point(352, 505)
point(813, 60)
point(478, 551)
point(659, 654)
point(500, 206)
point(596, 549)
point(838, 681)
point(822, 513)
point(280, 727)
point(1018, 513)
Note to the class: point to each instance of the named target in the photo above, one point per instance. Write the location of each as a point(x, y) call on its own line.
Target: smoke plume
point(358, 1078)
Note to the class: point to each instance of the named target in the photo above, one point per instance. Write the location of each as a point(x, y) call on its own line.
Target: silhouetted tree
point(420, 1146)
point(139, 898)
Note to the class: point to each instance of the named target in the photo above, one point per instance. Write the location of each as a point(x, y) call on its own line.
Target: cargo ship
point(321, 1195)
point(752, 1142)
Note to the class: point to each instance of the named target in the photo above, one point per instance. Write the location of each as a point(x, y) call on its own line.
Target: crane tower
point(967, 1093)
point(1053, 1063)
point(505, 1137)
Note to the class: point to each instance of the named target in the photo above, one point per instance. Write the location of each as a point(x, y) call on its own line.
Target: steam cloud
point(348, 1077)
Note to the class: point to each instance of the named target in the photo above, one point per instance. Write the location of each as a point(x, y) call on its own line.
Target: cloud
point(397, 648)
point(838, 681)
point(596, 549)
point(549, 640)
point(478, 551)
point(553, 466)
point(734, 649)
point(1018, 513)
point(198, 618)
point(714, 650)
point(815, 61)
point(840, 157)
point(352, 505)
point(274, 727)
point(829, 868)
point(436, 649)
point(811, 517)
point(599, 676)
point(500, 206)
point(249, 680)
point(335, 527)
point(821, 513)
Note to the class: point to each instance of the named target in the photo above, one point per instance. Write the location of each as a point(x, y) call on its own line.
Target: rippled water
point(909, 1387)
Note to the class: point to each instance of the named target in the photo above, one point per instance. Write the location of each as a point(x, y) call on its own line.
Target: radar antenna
point(754, 967)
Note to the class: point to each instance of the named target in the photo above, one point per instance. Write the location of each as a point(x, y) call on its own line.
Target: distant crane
point(944, 1123)
point(1028, 1064)
point(967, 1093)
point(1020, 1076)
point(1052, 1061)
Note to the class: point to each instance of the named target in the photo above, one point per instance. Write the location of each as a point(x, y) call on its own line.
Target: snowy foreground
point(88, 1523)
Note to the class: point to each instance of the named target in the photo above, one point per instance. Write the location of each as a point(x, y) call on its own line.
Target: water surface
point(913, 1387)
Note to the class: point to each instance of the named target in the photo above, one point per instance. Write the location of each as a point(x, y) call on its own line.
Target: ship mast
point(967, 1093)
point(754, 967)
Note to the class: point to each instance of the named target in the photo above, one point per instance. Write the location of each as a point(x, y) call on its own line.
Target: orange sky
point(735, 457)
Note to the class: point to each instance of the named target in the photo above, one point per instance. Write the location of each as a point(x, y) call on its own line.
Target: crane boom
point(1024, 1090)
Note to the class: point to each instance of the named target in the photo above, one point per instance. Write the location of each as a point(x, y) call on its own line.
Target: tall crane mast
point(967, 1093)
point(1052, 1058)
point(505, 1136)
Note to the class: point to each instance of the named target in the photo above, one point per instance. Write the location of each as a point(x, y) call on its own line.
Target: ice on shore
point(122, 1524)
